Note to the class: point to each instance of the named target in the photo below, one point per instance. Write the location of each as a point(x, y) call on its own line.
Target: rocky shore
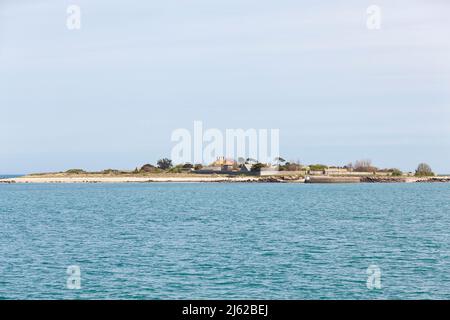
point(404, 179)
point(7, 181)
point(435, 179)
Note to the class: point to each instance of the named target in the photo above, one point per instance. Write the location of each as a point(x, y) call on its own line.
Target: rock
point(374, 179)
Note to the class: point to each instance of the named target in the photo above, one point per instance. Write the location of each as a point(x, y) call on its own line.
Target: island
point(248, 170)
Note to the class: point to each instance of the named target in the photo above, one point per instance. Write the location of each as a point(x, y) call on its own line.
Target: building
point(246, 168)
point(227, 168)
point(222, 161)
point(209, 170)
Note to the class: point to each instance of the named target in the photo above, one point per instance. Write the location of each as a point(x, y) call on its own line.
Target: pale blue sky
point(110, 94)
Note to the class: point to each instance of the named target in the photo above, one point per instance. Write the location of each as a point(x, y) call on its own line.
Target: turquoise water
point(225, 241)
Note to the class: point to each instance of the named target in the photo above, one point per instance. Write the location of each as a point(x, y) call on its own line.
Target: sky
point(110, 94)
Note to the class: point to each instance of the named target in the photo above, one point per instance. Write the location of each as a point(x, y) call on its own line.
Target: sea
point(8, 176)
point(225, 241)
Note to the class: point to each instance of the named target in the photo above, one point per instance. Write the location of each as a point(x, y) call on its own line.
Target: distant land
point(244, 170)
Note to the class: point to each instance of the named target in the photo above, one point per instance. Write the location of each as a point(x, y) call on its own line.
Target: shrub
point(177, 169)
point(75, 171)
point(110, 171)
point(290, 167)
point(317, 167)
point(257, 167)
point(364, 166)
point(164, 163)
point(148, 168)
point(424, 170)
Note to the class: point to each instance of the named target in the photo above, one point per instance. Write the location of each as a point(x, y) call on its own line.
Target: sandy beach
point(118, 179)
point(62, 178)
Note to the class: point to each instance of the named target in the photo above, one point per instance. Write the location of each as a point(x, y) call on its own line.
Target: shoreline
point(43, 179)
